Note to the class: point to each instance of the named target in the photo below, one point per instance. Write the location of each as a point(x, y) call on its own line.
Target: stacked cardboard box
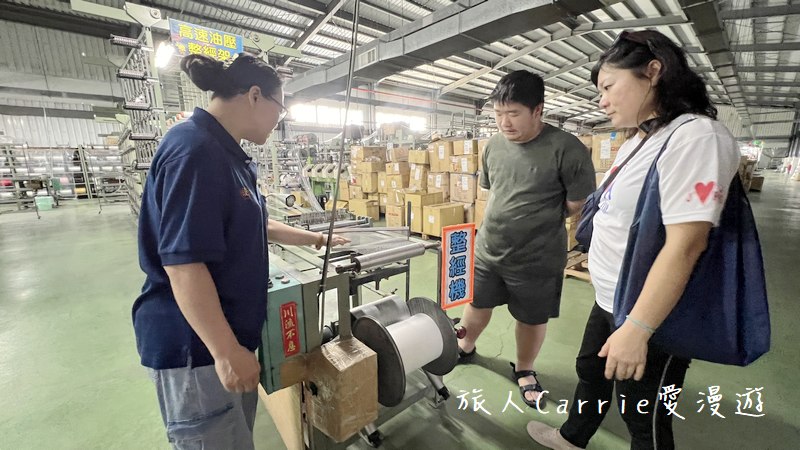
point(463, 187)
point(396, 154)
point(439, 182)
point(587, 140)
point(572, 226)
point(397, 175)
point(366, 164)
point(604, 149)
point(395, 216)
point(481, 149)
point(365, 208)
point(757, 183)
point(418, 178)
point(746, 169)
point(436, 217)
point(480, 212)
point(418, 201)
point(383, 202)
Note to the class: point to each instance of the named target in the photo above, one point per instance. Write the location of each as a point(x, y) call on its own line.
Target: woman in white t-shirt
point(646, 86)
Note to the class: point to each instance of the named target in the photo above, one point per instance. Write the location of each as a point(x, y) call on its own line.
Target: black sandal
point(536, 387)
point(466, 357)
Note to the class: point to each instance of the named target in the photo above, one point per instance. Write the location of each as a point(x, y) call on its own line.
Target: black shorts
point(531, 298)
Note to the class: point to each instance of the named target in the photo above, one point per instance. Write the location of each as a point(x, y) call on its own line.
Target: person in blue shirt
point(203, 230)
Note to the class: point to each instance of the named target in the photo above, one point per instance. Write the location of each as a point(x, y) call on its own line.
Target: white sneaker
point(548, 436)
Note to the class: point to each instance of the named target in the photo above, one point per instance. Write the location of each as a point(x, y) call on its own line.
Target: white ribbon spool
point(418, 340)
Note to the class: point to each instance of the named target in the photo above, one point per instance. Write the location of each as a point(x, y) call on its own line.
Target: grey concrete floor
point(70, 377)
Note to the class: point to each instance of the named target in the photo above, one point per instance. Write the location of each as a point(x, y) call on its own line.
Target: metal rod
point(326, 262)
point(370, 230)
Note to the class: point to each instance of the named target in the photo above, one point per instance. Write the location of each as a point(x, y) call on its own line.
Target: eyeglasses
point(637, 37)
point(284, 110)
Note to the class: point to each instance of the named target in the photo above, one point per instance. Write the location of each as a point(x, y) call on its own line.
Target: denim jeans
point(199, 413)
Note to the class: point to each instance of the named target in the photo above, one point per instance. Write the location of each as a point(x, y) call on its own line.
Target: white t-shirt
point(695, 172)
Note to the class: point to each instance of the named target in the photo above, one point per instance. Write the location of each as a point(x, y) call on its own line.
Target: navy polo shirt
point(200, 204)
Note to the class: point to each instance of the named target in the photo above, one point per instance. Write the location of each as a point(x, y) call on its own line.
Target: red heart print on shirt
point(704, 190)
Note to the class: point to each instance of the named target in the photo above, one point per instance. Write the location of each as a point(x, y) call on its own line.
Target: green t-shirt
point(530, 183)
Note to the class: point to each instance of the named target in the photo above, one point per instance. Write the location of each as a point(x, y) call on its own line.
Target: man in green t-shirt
point(537, 176)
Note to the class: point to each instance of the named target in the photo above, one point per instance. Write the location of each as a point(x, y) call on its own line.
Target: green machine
point(293, 313)
point(282, 336)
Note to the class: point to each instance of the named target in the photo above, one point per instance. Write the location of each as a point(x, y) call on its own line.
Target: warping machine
point(339, 367)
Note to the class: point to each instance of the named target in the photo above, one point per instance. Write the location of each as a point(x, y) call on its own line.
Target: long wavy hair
point(679, 89)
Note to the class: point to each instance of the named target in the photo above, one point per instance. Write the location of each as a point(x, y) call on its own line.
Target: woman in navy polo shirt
point(203, 246)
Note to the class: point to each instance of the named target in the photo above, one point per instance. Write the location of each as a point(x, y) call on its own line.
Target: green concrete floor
point(70, 378)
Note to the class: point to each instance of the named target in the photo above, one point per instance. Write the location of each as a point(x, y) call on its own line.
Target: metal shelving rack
point(105, 172)
point(13, 178)
point(144, 103)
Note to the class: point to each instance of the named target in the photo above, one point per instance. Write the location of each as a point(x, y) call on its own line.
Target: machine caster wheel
point(374, 439)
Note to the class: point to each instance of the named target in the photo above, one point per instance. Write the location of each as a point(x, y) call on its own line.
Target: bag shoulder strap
point(617, 169)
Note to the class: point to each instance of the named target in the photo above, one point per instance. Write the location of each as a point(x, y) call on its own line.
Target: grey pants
point(200, 414)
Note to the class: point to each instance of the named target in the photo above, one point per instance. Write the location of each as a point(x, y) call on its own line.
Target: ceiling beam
point(773, 47)
point(764, 11)
point(760, 101)
point(772, 94)
point(708, 27)
point(770, 84)
point(56, 20)
point(561, 35)
point(769, 69)
point(553, 112)
point(320, 8)
point(587, 85)
point(315, 27)
point(775, 122)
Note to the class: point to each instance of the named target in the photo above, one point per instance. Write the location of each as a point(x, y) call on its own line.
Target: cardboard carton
point(342, 205)
point(418, 177)
point(480, 212)
point(464, 164)
point(395, 216)
point(397, 181)
point(604, 149)
point(439, 182)
point(369, 182)
point(481, 148)
point(360, 153)
point(398, 168)
point(442, 151)
point(416, 220)
point(397, 154)
point(419, 157)
point(369, 167)
point(345, 375)
point(465, 147)
point(383, 202)
point(463, 188)
point(382, 186)
point(420, 199)
point(365, 208)
point(395, 197)
point(435, 217)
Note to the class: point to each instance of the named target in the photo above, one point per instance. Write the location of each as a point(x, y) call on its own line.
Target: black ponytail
point(227, 80)
point(206, 73)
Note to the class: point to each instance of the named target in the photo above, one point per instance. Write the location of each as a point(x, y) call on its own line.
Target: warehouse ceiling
point(747, 50)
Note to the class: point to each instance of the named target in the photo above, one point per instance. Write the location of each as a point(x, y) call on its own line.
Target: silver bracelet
point(640, 324)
